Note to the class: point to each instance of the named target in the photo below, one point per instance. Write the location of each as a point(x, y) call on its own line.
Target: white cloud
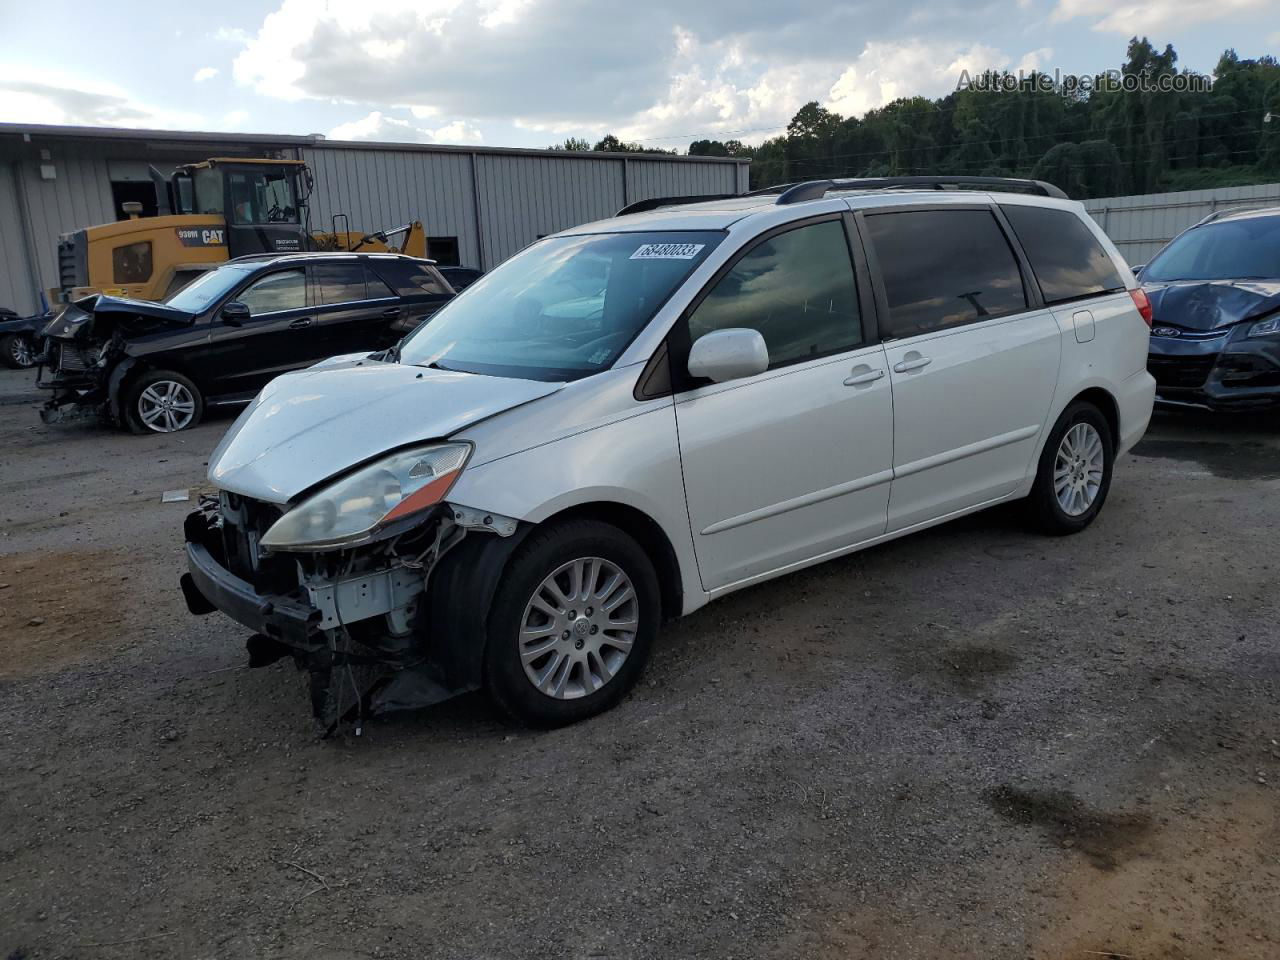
point(47, 97)
point(378, 126)
point(205, 73)
point(234, 119)
point(1135, 19)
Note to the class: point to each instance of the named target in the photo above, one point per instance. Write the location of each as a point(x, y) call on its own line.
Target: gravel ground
point(972, 743)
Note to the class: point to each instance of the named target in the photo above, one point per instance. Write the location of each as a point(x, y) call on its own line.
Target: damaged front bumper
point(1218, 369)
point(75, 376)
point(362, 623)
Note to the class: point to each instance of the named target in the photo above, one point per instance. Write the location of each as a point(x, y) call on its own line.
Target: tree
point(572, 143)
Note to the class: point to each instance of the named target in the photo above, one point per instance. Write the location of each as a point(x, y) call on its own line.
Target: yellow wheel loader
point(208, 213)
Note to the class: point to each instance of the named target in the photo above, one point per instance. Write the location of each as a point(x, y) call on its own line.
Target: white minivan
point(631, 418)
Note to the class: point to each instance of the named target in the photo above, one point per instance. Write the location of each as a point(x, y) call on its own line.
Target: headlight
point(1265, 328)
point(348, 512)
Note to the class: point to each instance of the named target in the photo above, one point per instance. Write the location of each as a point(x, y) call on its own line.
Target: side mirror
point(729, 354)
point(1137, 271)
point(234, 314)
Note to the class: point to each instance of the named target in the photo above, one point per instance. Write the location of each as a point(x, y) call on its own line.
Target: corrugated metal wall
point(377, 189)
point(1141, 225)
point(16, 288)
point(516, 197)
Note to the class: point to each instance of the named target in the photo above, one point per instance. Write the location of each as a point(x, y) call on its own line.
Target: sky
point(532, 72)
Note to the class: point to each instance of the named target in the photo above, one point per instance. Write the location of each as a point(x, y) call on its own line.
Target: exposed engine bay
point(375, 627)
point(88, 350)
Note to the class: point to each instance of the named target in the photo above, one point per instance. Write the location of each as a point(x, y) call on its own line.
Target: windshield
point(1233, 250)
point(207, 288)
point(564, 308)
point(262, 196)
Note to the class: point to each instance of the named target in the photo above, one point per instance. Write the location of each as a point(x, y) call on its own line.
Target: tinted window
point(561, 309)
point(132, 263)
point(409, 278)
point(286, 290)
point(942, 268)
point(1065, 256)
point(797, 289)
point(1230, 250)
point(339, 282)
point(375, 286)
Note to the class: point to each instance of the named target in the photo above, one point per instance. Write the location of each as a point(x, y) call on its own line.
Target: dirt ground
point(972, 743)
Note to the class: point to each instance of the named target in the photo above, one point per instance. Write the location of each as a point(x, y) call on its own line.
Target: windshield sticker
point(668, 251)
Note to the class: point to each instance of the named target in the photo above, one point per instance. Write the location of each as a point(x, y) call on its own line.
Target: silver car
point(632, 418)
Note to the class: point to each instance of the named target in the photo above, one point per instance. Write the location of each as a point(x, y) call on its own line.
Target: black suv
point(155, 367)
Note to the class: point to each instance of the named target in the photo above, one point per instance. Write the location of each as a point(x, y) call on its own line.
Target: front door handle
point(391, 312)
point(858, 379)
point(915, 363)
point(300, 323)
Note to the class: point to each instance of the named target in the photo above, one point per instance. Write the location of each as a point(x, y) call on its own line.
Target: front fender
point(634, 462)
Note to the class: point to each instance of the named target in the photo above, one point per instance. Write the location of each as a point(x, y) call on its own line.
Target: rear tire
point(162, 401)
point(18, 351)
point(1074, 474)
point(571, 624)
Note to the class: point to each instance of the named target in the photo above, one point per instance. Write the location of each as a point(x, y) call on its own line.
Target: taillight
point(1142, 303)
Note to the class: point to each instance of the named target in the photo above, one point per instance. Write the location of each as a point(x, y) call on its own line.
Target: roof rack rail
point(653, 203)
point(1252, 207)
point(816, 189)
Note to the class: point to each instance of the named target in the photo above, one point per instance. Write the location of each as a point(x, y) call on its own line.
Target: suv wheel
point(1075, 471)
point(571, 623)
point(162, 401)
point(17, 350)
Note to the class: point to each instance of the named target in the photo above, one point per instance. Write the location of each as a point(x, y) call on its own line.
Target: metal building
point(479, 205)
point(1141, 225)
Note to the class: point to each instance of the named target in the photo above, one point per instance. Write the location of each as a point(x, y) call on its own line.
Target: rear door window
point(284, 290)
point(797, 288)
point(1065, 256)
point(943, 268)
point(375, 287)
point(339, 282)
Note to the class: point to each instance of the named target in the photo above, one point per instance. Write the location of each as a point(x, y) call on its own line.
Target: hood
point(1212, 304)
point(308, 426)
point(101, 315)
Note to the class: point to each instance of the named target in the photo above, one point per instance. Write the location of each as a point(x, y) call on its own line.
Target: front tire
point(571, 624)
point(1074, 474)
point(162, 401)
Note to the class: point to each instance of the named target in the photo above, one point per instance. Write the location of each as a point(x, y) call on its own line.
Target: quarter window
point(409, 278)
point(796, 288)
point(340, 282)
point(944, 268)
point(286, 290)
point(1065, 256)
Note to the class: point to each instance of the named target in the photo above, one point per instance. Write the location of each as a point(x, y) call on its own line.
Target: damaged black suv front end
point(88, 348)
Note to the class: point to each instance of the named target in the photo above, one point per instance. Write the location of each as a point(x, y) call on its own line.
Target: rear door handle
point(870, 376)
point(300, 323)
point(916, 363)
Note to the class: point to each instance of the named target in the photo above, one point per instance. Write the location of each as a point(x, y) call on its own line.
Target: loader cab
point(262, 201)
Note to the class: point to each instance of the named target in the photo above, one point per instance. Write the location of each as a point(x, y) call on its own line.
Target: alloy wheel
point(1078, 469)
point(23, 351)
point(578, 628)
point(166, 406)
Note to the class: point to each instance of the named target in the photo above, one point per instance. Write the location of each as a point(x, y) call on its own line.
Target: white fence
point(1141, 225)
